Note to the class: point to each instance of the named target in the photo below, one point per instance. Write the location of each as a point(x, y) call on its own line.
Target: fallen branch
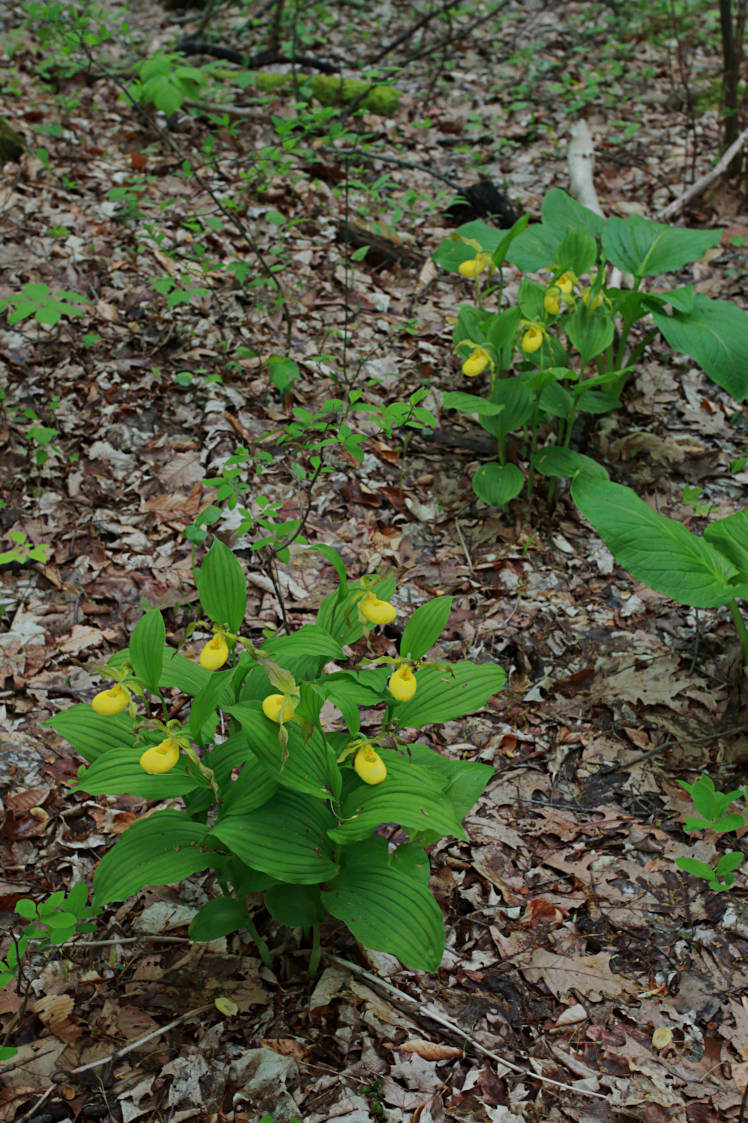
point(581, 158)
point(701, 184)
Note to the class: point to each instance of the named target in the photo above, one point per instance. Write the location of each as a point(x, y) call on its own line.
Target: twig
point(463, 543)
point(139, 1041)
point(436, 1016)
point(701, 184)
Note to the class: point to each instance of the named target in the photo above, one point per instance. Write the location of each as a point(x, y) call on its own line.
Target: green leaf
point(208, 700)
point(26, 908)
point(715, 334)
point(217, 918)
point(446, 693)
point(92, 734)
point(118, 772)
point(252, 787)
point(334, 559)
point(536, 248)
point(470, 403)
point(730, 537)
point(565, 462)
point(185, 674)
point(159, 850)
point(424, 627)
point(656, 550)
point(297, 906)
point(698, 869)
point(498, 484)
point(286, 838)
point(577, 252)
point(410, 795)
point(646, 248)
point(309, 639)
point(386, 909)
point(590, 332)
point(562, 212)
point(283, 373)
point(147, 649)
point(305, 766)
point(222, 588)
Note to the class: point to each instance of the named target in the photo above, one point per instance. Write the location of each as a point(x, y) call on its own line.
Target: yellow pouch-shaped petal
point(214, 654)
point(402, 684)
point(160, 758)
point(377, 611)
point(111, 701)
point(369, 765)
point(278, 707)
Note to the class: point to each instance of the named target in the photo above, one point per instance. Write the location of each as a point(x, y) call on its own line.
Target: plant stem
point(262, 947)
point(316, 950)
point(740, 628)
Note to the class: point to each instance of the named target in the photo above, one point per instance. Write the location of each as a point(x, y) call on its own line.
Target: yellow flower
point(532, 340)
point(111, 701)
point(369, 764)
point(476, 362)
point(377, 611)
point(566, 283)
point(552, 301)
point(592, 302)
point(279, 707)
point(402, 684)
point(160, 758)
point(476, 265)
point(215, 653)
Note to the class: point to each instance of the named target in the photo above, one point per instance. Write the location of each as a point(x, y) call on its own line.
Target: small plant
point(275, 802)
point(38, 302)
point(52, 922)
point(23, 551)
point(701, 572)
point(714, 815)
point(565, 348)
point(166, 81)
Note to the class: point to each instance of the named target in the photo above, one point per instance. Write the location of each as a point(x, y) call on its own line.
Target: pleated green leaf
point(147, 649)
point(384, 908)
point(159, 850)
point(286, 838)
point(92, 734)
point(444, 693)
point(424, 627)
point(304, 766)
point(222, 587)
point(118, 772)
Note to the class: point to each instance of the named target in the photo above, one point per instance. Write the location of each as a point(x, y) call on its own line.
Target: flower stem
point(262, 947)
point(316, 950)
point(740, 628)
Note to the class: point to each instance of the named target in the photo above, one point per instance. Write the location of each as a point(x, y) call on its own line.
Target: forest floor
point(571, 935)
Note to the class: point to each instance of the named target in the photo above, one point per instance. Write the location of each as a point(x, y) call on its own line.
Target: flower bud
point(592, 302)
point(532, 340)
point(402, 684)
point(476, 362)
point(215, 653)
point(369, 765)
point(111, 701)
point(552, 300)
point(278, 707)
point(566, 283)
point(160, 758)
point(377, 611)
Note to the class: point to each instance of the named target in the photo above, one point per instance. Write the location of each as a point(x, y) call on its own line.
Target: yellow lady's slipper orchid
point(476, 362)
point(111, 701)
point(160, 758)
point(592, 302)
point(552, 300)
point(215, 653)
point(476, 265)
point(279, 707)
point(402, 685)
point(369, 764)
point(377, 611)
point(532, 340)
point(566, 283)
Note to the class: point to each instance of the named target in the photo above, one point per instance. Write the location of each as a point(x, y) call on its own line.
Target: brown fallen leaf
point(429, 1050)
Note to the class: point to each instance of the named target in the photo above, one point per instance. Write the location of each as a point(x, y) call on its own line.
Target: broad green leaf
point(253, 786)
point(219, 917)
point(409, 795)
point(118, 772)
point(338, 614)
point(305, 766)
point(286, 838)
point(501, 334)
point(530, 299)
point(208, 699)
point(182, 673)
point(562, 212)
point(297, 906)
point(646, 248)
point(499, 254)
point(147, 649)
point(565, 462)
point(424, 627)
point(517, 401)
point(730, 537)
point(159, 850)
point(446, 693)
point(469, 403)
point(656, 550)
point(698, 869)
point(715, 334)
point(682, 299)
point(577, 252)
point(222, 588)
point(334, 559)
point(536, 248)
point(497, 484)
point(472, 324)
point(92, 734)
point(386, 909)
point(310, 639)
point(591, 332)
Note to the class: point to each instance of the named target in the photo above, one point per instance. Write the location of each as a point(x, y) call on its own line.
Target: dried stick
point(701, 184)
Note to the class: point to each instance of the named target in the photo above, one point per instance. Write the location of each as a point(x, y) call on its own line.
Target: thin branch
point(701, 184)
